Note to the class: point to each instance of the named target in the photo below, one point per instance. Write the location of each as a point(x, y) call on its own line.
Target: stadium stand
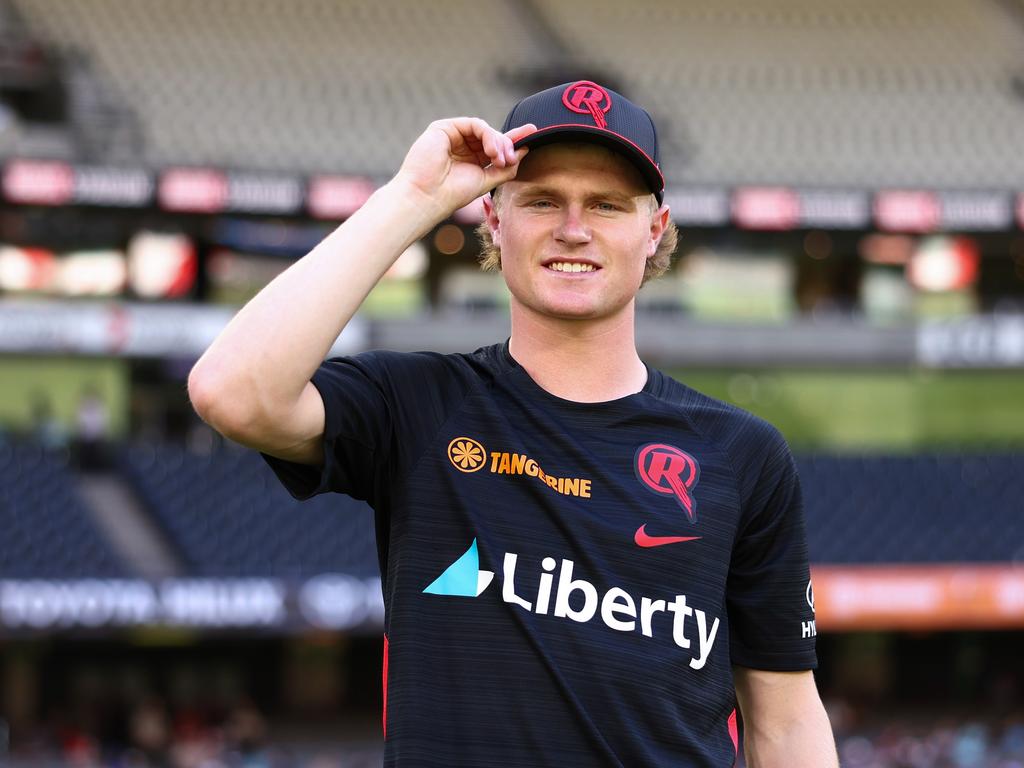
point(800, 92)
point(47, 529)
point(226, 515)
point(914, 509)
point(867, 94)
point(222, 83)
point(229, 516)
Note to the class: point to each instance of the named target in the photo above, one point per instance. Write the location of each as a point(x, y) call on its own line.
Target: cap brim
point(643, 162)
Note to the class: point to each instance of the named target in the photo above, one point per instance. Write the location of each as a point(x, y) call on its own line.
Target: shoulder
point(419, 372)
point(724, 423)
point(752, 444)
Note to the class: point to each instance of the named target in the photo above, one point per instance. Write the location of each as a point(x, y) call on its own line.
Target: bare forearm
point(785, 724)
point(272, 347)
point(804, 743)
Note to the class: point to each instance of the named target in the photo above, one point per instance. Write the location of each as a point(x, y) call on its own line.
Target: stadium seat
point(47, 530)
point(229, 516)
point(811, 92)
point(348, 85)
point(914, 509)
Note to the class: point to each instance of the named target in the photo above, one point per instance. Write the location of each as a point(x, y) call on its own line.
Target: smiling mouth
point(568, 266)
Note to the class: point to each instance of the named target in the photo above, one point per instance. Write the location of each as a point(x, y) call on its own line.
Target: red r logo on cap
point(585, 97)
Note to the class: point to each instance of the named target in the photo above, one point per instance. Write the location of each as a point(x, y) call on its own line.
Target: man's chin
point(569, 310)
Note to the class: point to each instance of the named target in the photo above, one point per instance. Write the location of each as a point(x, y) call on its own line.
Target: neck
point(586, 361)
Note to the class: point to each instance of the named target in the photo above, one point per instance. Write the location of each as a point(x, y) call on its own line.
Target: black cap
point(586, 111)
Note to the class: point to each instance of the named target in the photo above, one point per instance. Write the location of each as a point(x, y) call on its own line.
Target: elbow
point(221, 404)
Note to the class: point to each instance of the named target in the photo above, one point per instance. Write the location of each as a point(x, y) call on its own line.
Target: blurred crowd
point(947, 744)
point(154, 737)
point(918, 739)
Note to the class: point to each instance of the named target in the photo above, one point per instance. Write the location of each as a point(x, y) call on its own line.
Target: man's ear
point(659, 222)
point(491, 217)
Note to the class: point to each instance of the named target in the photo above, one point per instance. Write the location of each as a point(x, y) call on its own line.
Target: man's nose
point(573, 229)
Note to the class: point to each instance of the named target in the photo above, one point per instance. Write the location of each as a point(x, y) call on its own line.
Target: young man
point(584, 562)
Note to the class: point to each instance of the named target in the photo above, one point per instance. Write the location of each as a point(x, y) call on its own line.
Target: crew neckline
point(648, 387)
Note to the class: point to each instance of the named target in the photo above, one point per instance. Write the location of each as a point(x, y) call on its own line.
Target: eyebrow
point(537, 190)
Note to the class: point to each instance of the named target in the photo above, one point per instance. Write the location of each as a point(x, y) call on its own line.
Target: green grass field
point(832, 410)
point(61, 380)
point(882, 410)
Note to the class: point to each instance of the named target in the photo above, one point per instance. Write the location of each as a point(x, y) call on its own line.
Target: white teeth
point(565, 266)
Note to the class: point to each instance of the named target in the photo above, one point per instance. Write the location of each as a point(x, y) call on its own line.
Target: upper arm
point(299, 435)
point(340, 436)
point(295, 434)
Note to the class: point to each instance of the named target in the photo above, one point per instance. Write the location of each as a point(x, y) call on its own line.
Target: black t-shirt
point(565, 584)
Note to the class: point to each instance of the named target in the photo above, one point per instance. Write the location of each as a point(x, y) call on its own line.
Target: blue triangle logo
point(463, 578)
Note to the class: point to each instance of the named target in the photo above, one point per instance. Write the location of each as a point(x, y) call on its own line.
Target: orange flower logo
point(466, 454)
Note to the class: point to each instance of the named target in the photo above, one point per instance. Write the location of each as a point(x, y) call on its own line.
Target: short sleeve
point(357, 434)
point(770, 603)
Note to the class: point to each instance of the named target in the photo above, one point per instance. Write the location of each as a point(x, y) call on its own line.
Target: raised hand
point(456, 160)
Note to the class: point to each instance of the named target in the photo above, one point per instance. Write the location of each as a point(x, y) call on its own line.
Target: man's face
point(575, 227)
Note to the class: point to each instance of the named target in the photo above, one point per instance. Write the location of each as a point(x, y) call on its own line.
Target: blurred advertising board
point(49, 182)
point(699, 207)
point(918, 597)
point(845, 598)
point(781, 208)
point(329, 601)
point(333, 197)
point(974, 342)
point(127, 329)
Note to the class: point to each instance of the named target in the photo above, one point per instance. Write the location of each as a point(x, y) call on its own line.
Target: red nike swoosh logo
point(643, 540)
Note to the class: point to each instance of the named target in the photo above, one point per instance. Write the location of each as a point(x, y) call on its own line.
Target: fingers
point(484, 141)
point(475, 135)
point(496, 176)
point(523, 130)
point(498, 148)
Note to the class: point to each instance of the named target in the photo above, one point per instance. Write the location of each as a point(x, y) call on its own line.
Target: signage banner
point(116, 187)
point(699, 207)
point(930, 597)
point(128, 329)
point(193, 190)
point(844, 597)
point(337, 197)
point(264, 193)
point(907, 211)
point(834, 209)
point(326, 602)
point(972, 342)
point(766, 208)
point(39, 182)
point(976, 211)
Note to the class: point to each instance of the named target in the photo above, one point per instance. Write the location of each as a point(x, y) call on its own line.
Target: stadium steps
point(128, 528)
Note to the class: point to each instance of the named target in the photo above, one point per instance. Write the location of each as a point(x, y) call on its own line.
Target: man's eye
point(541, 204)
point(607, 207)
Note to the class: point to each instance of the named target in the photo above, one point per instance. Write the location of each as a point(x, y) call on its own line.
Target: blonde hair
point(657, 265)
